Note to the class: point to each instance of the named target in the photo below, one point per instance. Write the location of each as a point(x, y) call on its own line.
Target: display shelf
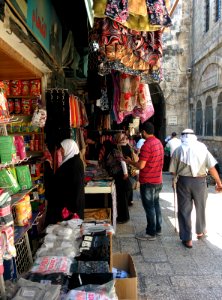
point(21, 230)
point(18, 196)
point(11, 120)
point(25, 133)
point(34, 153)
point(6, 165)
point(24, 97)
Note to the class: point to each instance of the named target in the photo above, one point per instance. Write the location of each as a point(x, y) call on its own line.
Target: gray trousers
point(191, 190)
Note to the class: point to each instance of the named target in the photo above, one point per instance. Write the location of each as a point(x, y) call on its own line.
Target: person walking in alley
point(173, 143)
point(189, 165)
point(150, 165)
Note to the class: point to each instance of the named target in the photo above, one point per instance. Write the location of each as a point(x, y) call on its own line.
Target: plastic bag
point(94, 292)
point(8, 181)
point(24, 177)
point(39, 117)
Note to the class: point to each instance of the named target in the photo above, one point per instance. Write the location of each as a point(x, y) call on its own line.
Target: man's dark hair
point(148, 127)
point(174, 134)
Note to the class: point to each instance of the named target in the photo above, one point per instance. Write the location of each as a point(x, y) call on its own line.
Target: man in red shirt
point(150, 165)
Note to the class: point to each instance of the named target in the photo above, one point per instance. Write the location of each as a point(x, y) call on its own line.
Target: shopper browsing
point(68, 184)
point(150, 165)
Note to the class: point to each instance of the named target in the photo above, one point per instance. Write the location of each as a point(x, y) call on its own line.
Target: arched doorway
point(158, 119)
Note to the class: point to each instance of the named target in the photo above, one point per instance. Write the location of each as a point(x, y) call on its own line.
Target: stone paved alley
point(165, 268)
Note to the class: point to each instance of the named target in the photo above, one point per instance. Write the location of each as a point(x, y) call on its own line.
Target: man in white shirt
point(139, 144)
point(173, 143)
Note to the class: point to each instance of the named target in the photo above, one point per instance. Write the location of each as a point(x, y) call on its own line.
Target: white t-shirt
point(173, 144)
point(140, 143)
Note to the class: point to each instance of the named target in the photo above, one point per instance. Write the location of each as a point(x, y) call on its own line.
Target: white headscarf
point(70, 149)
point(193, 152)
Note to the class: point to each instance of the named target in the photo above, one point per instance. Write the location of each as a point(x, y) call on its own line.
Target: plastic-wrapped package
point(52, 264)
point(94, 292)
point(36, 291)
point(73, 223)
point(63, 232)
point(59, 251)
point(69, 248)
point(24, 177)
point(117, 273)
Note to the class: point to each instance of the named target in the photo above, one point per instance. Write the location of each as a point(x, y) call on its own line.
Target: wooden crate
point(97, 214)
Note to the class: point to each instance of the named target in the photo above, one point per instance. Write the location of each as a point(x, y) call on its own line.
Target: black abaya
point(68, 190)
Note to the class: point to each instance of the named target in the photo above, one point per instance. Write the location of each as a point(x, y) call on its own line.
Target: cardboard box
point(126, 288)
point(97, 214)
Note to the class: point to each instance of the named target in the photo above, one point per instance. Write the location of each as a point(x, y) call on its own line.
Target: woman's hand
point(127, 159)
point(125, 176)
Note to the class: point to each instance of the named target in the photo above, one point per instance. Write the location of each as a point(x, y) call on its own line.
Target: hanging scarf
point(193, 152)
point(70, 149)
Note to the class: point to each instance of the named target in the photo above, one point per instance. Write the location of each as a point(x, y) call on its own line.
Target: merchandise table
point(104, 187)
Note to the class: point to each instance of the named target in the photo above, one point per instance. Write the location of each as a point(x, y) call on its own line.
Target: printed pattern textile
point(138, 17)
point(117, 10)
point(138, 50)
point(158, 14)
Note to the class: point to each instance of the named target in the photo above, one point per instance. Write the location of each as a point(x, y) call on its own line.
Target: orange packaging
point(18, 106)
point(7, 87)
point(23, 211)
point(25, 88)
point(32, 145)
point(35, 87)
point(27, 106)
point(36, 146)
point(15, 87)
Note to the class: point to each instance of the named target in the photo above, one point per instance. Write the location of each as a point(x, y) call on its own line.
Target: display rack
point(24, 258)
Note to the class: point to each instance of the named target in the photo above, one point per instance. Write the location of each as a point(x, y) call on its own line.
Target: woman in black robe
point(124, 190)
point(68, 184)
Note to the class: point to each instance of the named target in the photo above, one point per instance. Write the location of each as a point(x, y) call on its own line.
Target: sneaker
point(159, 233)
point(145, 237)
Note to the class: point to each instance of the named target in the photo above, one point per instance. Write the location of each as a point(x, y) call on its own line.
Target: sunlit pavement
point(165, 268)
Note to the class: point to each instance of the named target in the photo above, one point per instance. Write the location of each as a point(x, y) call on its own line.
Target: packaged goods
point(27, 107)
point(15, 87)
point(7, 149)
point(11, 106)
point(25, 88)
point(35, 87)
point(20, 147)
point(39, 117)
point(8, 182)
point(4, 112)
point(6, 217)
point(18, 106)
point(6, 87)
point(24, 177)
point(23, 211)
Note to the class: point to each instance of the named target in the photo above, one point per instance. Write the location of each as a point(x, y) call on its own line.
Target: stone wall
point(206, 79)
point(176, 56)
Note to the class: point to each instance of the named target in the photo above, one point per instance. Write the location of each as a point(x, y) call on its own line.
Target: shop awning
point(14, 65)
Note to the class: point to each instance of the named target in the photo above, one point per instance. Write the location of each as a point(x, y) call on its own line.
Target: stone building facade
point(205, 94)
point(176, 60)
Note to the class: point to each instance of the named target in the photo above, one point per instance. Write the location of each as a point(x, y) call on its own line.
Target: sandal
point(187, 244)
point(201, 236)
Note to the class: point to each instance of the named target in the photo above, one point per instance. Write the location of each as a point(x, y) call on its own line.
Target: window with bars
point(209, 117)
point(207, 15)
point(199, 119)
point(219, 116)
point(217, 10)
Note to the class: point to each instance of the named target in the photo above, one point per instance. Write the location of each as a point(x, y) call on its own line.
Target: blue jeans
point(150, 200)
